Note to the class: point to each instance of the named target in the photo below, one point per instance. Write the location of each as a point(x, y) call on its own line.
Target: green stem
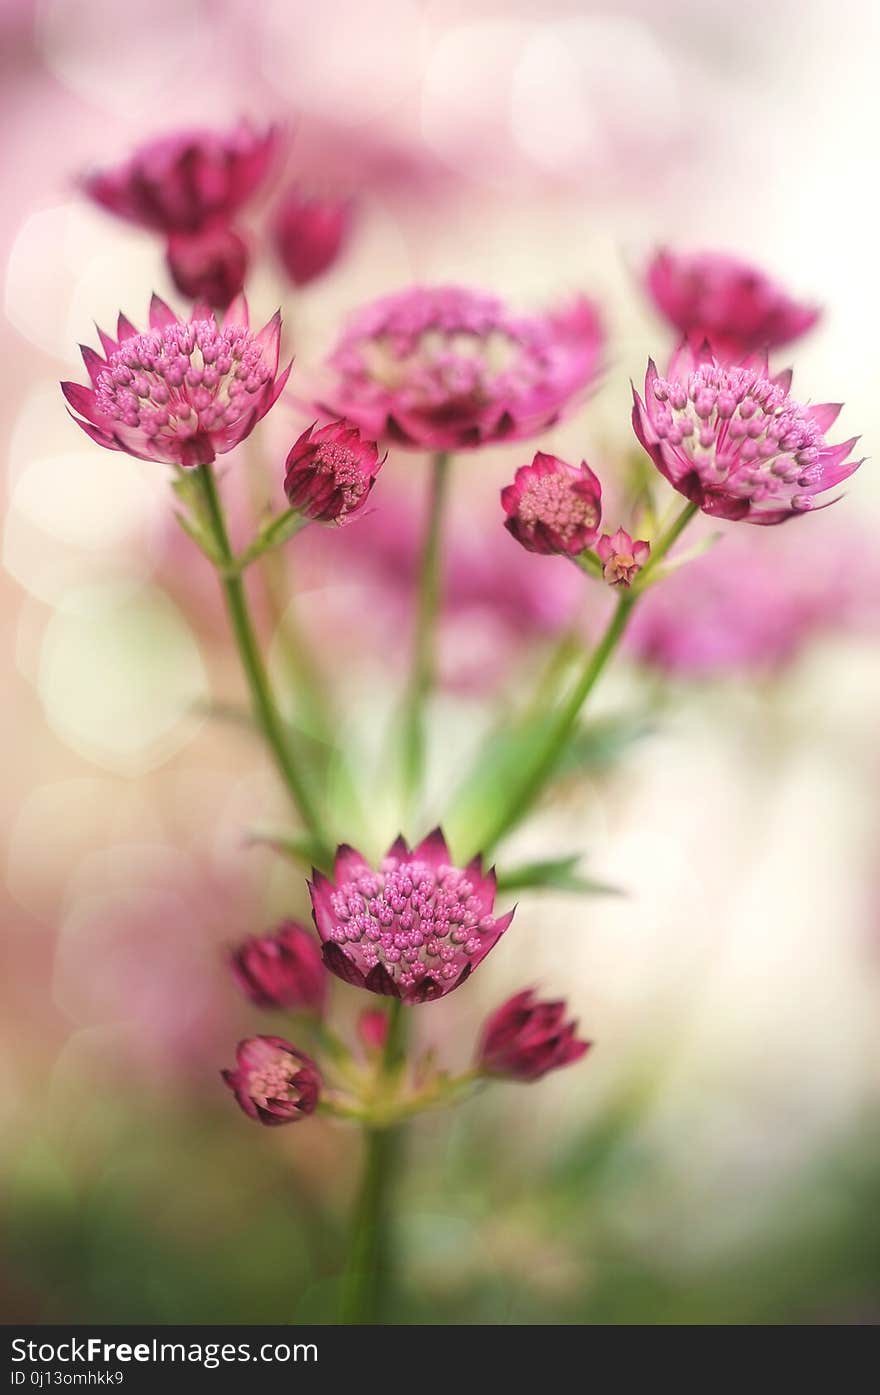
point(549, 747)
point(369, 1272)
point(263, 702)
point(424, 640)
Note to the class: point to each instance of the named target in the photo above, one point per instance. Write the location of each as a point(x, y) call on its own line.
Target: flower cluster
point(734, 442)
point(188, 186)
point(735, 306)
point(330, 471)
point(442, 368)
point(185, 391)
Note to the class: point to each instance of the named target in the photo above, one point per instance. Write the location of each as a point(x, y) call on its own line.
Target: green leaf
point(200, 537)
point(557, 874)
point(274, 533)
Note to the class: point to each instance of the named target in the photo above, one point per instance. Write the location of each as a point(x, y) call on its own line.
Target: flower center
point(183, 379)
point(342, 464)
point(740, 429)
point(551, 501)
point(273, 1081)
point(410, 918)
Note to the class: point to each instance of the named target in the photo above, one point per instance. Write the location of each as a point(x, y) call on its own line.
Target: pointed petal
point(379, 980)
point(161, 315)
point(825, 414)
point(124, 328)
point(433, 850)
point(338, 962)
point(349, 864)
point(94, 363)
point(237, 312)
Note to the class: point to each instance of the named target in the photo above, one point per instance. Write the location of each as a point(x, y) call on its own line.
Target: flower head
point(281, 970)
point(180, 183)
point(732, 440)
point(621, 558)
point(209, 265)
point(443, 368)
point(527, 1037)
point(415, 928)
point(273, 1082)
point(733, 304)
point(329, 472)
point(183, 392)
point(552, 506)
point(310, 234)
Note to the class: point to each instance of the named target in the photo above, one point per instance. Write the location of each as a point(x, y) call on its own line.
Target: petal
point(161, 315)
point(433, 850)
point(339, 963)
point(237, 312)
point(320, 891)
point(349, 864)
point(379, 980)
point(826, 414)
point(94, 363)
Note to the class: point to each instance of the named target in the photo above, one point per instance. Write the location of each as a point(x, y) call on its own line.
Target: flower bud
point(329, 472)
point(273, 1083)
point(281, 970)
point(525, 1038)
point(209, 265)
point(310, 234)
point(553, 507)
point(372, 1028)
point(621, 558)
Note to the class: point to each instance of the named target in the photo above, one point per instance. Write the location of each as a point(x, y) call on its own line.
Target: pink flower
point(755, 603)
point(283, 970)
point(526, 1037)
point(449, 369)
point(553, 507)
point(414, 929)
point(372, 1028)
point(274, 1083)
point(734, 305)
point(329, 472)
point(181, 182)
point(310, 234)
point(208, 265)
point(622, 558)
point(185, 391)
point(732, 440)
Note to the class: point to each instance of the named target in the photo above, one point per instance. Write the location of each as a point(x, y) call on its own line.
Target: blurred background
point(716, 1157)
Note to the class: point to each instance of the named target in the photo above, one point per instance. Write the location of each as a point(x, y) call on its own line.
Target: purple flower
point(553, 507)
point(183, 392)
point(415, 928)
point(273, 1082)
point(329, 472)
point(729, 302)
point(734, 442)
point(621, 558)
point(527, 1037)
point(442, 368)
point(181, 182)
point(281, 970)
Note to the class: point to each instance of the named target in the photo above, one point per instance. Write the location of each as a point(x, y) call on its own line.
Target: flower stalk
point(423, 667)
point(264, 706)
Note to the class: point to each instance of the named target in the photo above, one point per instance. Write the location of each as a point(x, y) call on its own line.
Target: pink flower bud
point(553, 507)
point(282, 970)
point(622, 558)
point(274, 1083)
point(209, 265)
point(525, 1038)
point(310, 234)
point(372, 1028)
point(329, 472)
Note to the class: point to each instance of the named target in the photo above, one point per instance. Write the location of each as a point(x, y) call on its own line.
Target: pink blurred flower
point(414, 929)
point(553, 507)
point(735, 305)
point(755, 604)
point(372, 1028)
point(441, 368)
point(181, 182)
point(527, 1037)
point(732, 440)
point(310, 233)
point(274, 1083)
point(208, 265)
point(281, 970)
point(622, 558)
point(183, 392)
point(329, 472)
